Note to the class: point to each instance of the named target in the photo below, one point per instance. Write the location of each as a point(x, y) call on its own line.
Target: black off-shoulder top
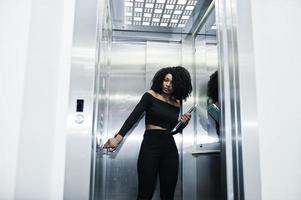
point(157, 112)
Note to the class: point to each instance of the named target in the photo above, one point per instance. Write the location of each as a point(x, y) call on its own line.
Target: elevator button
point(79, 118)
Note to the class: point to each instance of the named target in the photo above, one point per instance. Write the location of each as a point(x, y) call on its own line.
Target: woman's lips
point(166, 89)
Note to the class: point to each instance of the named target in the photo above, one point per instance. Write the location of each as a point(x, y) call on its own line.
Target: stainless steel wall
point(116, 172)
point(90, 48)
point(133, 64)
point(209, 168)
point(189, 185)
point(132, 67)
point(84, 61)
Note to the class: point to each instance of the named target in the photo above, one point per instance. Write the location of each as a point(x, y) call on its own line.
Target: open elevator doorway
point(139, 45)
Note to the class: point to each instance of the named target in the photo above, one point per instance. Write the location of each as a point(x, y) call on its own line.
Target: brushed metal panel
point(201, 172)
point(189, 166)
point(101, 84)
point(238, 100)
point(209, 170)
point(79, 124)
point(161, 54)
point(132, 67)
point(116, 174)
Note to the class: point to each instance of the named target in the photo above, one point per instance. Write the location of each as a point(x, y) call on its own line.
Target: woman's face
point(167, 84)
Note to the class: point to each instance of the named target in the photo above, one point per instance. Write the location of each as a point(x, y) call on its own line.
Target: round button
point(79, 118)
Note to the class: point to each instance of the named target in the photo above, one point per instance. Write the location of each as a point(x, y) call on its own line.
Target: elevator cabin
point(117, 48)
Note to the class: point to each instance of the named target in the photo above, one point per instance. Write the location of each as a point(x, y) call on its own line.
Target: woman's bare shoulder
point(153, 93)
point(177, 103)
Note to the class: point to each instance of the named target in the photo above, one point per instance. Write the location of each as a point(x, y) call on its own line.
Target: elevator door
point(132, 67)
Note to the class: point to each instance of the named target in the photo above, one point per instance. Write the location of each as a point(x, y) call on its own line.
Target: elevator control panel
point(79, 117)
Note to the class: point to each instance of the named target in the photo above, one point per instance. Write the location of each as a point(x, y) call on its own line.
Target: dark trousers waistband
point(157, 133)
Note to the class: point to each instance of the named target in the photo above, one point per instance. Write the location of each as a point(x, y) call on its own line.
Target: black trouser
point(158, 155)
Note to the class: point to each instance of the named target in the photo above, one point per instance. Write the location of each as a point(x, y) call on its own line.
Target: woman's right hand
point(113, 143)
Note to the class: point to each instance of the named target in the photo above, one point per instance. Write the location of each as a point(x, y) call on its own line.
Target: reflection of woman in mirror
point(158, 153)
point(213, 102)
point(212, 90)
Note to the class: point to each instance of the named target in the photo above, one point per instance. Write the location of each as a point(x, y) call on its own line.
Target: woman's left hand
point(185, 118)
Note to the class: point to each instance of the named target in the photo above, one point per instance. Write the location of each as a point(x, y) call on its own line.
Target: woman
point(213, 106)
point(158, 153)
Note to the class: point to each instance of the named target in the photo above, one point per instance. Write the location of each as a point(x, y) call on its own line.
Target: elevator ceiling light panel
point(164, 13)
